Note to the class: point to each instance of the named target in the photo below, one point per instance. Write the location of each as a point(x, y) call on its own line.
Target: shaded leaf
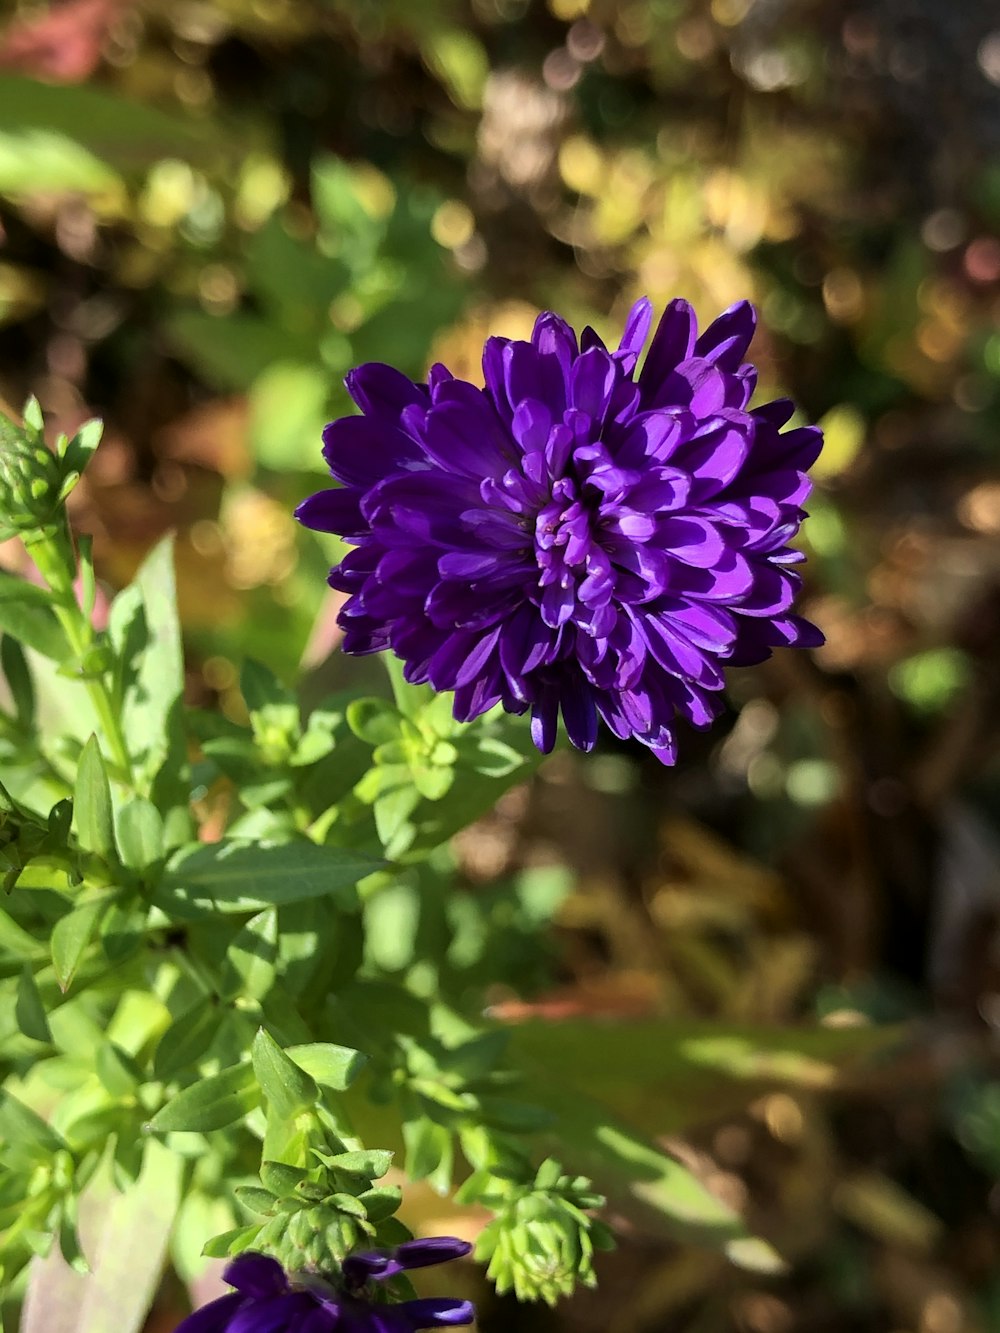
point(233, 876)
point(70, 936)
point(26, 613)
point(29, 1010)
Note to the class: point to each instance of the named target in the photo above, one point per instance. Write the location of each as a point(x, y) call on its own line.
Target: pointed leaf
point(236, 876)
point(15, 669)
point(92, 809)
point(187, 1039)
point(212, 1103)
point(334, 1066)
point(287, 1087)
point(140, 834)
point(153, 704)
point(70, 936)
point(250, 958)
point(29, 1011)
point(26, 1137)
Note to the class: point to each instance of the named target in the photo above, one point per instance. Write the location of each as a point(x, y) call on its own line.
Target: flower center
point(575, 576)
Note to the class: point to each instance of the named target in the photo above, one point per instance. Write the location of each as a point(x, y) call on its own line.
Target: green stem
point(52, 552)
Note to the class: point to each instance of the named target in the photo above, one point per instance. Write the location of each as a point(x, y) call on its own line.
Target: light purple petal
point(437, 1312)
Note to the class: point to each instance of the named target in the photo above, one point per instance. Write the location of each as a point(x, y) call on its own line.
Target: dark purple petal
point(333, 510)
point(361, 451)
point(726, 340)
point(361, 1268)
point(381, 391)
point(530, 374)
point(256, 1275)
point(463, 434)
point(592, 382)
point(772, 593)
point(545, 717)
point(280, 1314)
point(431, 1250)
point(673, 342)
point(494, 375)
point(212, 1318)
point(579, 712)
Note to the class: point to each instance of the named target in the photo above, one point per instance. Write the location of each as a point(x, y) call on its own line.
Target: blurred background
point(211, 209)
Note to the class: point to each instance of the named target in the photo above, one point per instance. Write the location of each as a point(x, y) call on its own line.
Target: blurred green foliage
point(210, 211)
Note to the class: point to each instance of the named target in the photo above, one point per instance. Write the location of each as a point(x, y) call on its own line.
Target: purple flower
point(267, 1300)
point(576, 536)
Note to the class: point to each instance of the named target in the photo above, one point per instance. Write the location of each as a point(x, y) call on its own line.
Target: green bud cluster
point(542, 1240)
point(34, 481)
point(316, 1215)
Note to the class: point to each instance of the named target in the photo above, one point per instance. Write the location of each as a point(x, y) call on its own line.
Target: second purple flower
point(575, 537)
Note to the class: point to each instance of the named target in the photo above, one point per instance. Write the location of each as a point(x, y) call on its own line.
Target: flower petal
point(437, 1312)
point(213, 1317)
point(256, 1275)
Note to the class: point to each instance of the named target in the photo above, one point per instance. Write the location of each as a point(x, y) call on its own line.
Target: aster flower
point(268, 1300)
point(577, 536)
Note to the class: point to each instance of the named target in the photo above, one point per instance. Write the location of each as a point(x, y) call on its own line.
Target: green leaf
point(335, 1067)
point(370, 1164)
point(70, 936)
point(117, 1070)
point(15, 669)
point(381, 1202)
point(287, 1087)
point(81, 448)
point(280, 1179)
point(256, 1200)
point(29, 1011)
point(432, 783)
point(25, 1138)
point(212, 1103)
point(274, 712)
point(140, 833)
point(92, 809)
point(375, 721)
point(234, 876)
point(187, 1039)
point(16, 942)
point(250, 958)
point(261, 689)
point(69, 1241)
point(429, 1152)
point(35, 159)
point(392, 819)
point(230, 1242)
point(153, 698)
point(120, 131)
point(26, 614)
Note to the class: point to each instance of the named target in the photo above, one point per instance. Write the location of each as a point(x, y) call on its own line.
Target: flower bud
point(31, 481)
